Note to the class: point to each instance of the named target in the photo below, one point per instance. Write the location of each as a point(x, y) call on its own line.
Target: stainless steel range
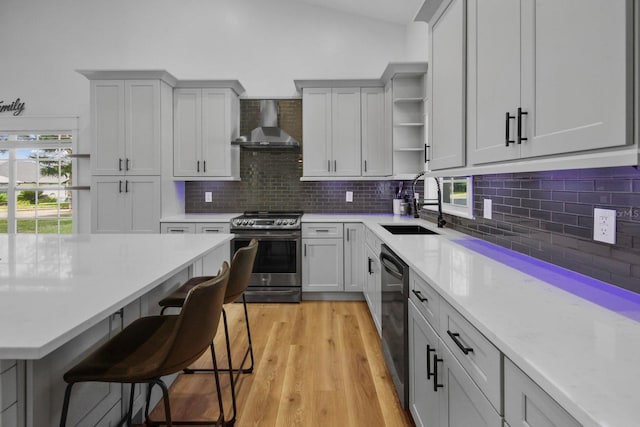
point(277, 268)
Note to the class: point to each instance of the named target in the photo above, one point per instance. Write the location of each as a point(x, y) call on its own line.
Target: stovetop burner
point(274, 220)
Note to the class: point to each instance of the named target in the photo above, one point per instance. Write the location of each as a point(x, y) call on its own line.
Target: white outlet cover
point(349, 196)
point(604, 225)
point(208, 196)
point(487, 209)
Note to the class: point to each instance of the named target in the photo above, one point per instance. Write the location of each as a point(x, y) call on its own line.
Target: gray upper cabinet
point(376, 147)
point(331, 131)
point(446, 87)
point(205, 122)
point(547, 77)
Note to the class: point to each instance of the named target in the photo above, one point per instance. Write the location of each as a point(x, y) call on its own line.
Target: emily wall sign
point(16, 107)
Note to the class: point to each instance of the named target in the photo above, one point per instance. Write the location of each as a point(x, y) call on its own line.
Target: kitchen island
point(61, 296)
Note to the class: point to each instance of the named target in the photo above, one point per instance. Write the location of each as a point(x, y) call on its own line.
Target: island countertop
point(53, 288)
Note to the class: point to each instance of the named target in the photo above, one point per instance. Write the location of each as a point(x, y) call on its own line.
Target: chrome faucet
point(432, 202)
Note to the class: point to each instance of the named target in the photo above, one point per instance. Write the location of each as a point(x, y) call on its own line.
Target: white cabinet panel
point(547, 77)
point(322, 265)
point(345, 131)
point(125, 120)
point(206, 120)
point(316, 126)
point(354, 265)
point(446, 88)
point(376, 147)
point(122, 204)
point(527, 405)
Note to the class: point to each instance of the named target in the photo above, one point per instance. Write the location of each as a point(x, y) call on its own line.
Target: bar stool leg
point(232, 420)
point(218, 389)
point(130, 412)
point(246, 319)
point(65, 405)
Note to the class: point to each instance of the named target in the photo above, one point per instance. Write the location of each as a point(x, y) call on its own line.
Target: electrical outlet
point(350, 196)
point(208, 196)
point(604, 225)
point(487, 209)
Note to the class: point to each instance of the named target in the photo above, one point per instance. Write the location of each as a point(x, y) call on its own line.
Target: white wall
point(265, 44)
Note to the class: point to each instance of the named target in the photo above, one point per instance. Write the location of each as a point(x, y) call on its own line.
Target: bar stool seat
point(155, 346)
point(239, 276)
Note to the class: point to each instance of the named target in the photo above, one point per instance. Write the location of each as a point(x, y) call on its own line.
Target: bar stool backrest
point(241, 269)
point(198, 322)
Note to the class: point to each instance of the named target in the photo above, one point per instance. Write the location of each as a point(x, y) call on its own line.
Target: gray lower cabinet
point(322, 257)
point(441, 393)
point(527, 405)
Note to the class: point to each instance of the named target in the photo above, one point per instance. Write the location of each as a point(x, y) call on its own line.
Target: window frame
point(449, 208)
point(40, 125)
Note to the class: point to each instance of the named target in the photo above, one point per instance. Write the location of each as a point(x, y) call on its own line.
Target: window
point(457, 195)
point(36, 171)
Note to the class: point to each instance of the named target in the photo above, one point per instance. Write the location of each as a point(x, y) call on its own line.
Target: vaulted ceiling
point(394, 11)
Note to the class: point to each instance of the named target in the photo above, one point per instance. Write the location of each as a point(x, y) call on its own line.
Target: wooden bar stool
point(239, 276)
point(154, 346)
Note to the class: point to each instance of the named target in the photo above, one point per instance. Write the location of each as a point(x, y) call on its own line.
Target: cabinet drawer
point(425, 298)
point(474, 351)
point(372, 241)
point(212, 228)
point(8, 388)
point(321, 230)
point(526, 404)
point(177, 227)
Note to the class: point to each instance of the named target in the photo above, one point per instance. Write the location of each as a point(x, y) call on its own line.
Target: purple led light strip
point(622, 301)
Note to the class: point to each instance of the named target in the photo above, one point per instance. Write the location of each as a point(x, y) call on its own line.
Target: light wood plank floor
point(316, 364)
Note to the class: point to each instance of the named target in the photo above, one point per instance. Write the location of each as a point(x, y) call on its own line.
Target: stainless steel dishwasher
point(395, 343)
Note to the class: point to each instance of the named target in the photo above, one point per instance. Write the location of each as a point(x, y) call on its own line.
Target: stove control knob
point(245, 222)
point(278, 222)
point(251, 222)
point(236, 222)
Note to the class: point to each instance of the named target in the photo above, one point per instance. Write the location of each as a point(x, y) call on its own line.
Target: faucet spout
point(440, 221)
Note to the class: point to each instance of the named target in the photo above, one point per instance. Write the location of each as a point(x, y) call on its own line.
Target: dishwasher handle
point(391, 266)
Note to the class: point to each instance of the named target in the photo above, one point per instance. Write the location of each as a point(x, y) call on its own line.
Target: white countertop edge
point(32, 353)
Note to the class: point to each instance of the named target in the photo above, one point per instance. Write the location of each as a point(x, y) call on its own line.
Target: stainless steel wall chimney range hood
point(268, 134)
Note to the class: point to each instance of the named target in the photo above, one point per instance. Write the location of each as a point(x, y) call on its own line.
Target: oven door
point(277, 267)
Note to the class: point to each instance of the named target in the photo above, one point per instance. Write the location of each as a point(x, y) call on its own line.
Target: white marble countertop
point(52, 288)
point(585, 356)
point(209, 217)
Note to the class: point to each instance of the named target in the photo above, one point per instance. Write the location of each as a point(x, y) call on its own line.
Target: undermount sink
point(407, 229)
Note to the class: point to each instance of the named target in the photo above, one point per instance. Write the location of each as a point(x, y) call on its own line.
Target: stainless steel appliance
point(395, 342)
point(277, 273)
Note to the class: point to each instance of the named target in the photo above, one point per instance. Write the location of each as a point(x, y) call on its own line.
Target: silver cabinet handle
point(126, 167)
point(120, 186)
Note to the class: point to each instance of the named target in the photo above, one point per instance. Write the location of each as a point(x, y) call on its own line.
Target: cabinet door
point(353, 257)
point(446, 81)
point(107, 127)
point(493, 67)
point(322, 265)
point(143, 204)
point(376, 148)
point(575, 75)
point(316, 129)
point(346, 142)
point(142, 127)
point(187, 131)
point(108, 201)
point(527, 405)
point(462, 404)
point(374, 288)
point(216, 135)
point(423, 343)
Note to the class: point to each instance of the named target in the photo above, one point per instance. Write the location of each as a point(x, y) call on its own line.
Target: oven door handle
point(267, 236)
